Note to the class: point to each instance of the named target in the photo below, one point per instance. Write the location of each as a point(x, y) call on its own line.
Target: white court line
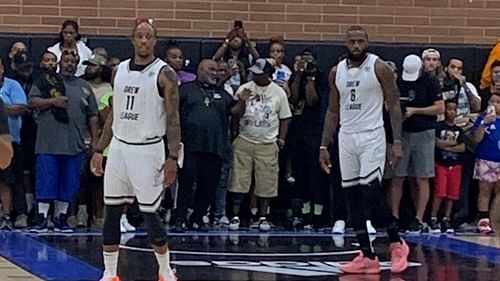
point(197, 253)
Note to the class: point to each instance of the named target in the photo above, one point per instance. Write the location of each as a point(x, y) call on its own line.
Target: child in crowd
point(487, 169)
point(449, 163)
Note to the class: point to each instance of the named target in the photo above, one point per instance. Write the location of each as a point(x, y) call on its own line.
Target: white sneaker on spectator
point(338, 240)
point(370, 228)
point(82, 218)
point(234, 224)
point(125, 226)
point(206, 219)
point(339, 227)
point(264, 224)
point(21, 221)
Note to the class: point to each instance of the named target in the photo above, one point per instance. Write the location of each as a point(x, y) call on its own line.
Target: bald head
point(207, 71)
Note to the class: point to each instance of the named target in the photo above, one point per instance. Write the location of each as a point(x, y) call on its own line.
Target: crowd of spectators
point(251, 131)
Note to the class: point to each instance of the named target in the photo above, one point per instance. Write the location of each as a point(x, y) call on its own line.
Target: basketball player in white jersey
point(359, 86)
point(145, 108)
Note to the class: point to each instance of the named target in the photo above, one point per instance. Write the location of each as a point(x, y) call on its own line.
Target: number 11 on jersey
point(130, 102)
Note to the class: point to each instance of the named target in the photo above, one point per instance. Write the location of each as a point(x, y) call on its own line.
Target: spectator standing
point(204, 112)
point(487, 169)
point(11, 179)
point(9, 65)
point(239, 52)
point(455, 86)
point(262, 132)
point(422, 102)
point(433, 65)
point(282, 73)
point(93, 74)
point(494, 87)
point(304, 138)
point(5, 141)
point(70, 40)
point(67, 108)
point(449, 165)
point(174, 57)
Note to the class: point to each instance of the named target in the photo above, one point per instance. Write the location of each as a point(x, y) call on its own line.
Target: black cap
point(22, 60)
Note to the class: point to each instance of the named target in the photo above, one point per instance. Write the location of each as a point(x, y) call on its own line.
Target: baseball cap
point(22, 60)
point(95, 59)
point(430, 52)
point(258, 67)
point(411, 67)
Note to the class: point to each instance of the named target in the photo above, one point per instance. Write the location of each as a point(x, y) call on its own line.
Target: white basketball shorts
point(362, 156)
point(133, 171)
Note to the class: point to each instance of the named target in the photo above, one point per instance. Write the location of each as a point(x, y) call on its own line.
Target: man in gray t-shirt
point(67, 108)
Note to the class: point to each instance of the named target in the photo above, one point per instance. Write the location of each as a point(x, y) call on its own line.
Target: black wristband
point(173, 157)
point(95, 150)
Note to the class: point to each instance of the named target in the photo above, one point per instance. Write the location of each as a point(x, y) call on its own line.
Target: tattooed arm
point(168, 82)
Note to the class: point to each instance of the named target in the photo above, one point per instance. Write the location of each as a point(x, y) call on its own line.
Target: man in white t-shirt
point(263, 129)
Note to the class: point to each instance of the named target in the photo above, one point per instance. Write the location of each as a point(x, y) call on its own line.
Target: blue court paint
point(464, 248)
point(45, 261)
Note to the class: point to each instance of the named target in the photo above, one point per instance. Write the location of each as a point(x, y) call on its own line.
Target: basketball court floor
point(243, 256)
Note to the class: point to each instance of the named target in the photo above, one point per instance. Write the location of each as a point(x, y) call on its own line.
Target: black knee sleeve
point(156, 230)
point(237, 198)
point(111, 229)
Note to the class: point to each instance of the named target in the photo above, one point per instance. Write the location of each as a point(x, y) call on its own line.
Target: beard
point(359, 57)
point(91, 76)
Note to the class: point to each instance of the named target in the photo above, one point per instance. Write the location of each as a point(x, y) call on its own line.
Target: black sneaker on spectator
point(42, 224)
point(416, 227)
point(234, 225)
point(446, 226)
point(6, 224)
point(179, 228)
point(435, 226)
point(61, 224)
point(297, 223)
point(264, 224)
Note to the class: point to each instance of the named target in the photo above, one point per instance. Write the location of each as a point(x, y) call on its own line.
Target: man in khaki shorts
point(263, 128)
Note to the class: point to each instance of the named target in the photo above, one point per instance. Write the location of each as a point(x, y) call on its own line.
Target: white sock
point(60, 207)
point(43, 208)
point(110, 263)
point(124, 217)
point(163, 261)
point(30, 201)
point(254, 211)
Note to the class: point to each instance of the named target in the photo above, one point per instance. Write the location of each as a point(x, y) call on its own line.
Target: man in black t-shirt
point(449, 163)
point(204, 113)
point(422, 102)
point(5, 143)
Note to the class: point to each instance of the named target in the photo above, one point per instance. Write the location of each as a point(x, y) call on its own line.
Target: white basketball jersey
point(138, 109)
point(360, 96)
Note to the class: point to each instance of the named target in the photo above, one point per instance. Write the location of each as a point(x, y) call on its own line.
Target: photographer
point(303, 141)
point(239, 52)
